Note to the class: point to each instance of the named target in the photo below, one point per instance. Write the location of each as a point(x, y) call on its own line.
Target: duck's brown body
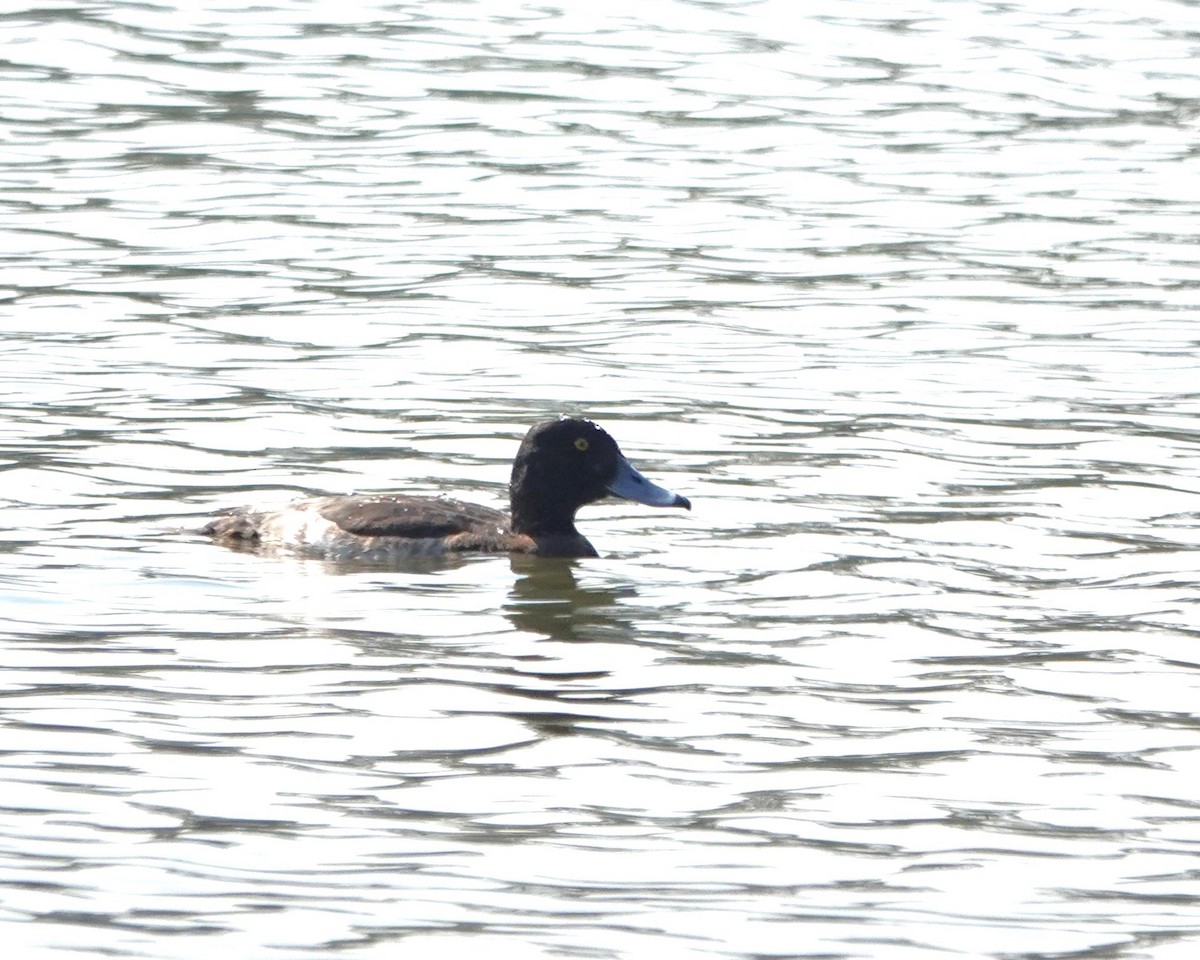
point(371, 528)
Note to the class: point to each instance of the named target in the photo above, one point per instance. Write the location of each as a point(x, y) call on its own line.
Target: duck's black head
point(563, 464)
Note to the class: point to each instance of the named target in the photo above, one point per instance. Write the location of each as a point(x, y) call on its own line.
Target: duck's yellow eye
point(581, 444)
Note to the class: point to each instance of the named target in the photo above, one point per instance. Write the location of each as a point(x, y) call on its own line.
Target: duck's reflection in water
point(547, 599)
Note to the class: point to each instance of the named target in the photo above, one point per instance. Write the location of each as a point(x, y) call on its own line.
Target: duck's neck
point(548, 519)
point(551, 527)
point(564, 545)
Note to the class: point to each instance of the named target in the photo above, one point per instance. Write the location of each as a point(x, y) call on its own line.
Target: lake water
point(902, 295)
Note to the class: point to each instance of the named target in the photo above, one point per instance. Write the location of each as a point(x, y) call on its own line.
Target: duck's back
point(409, 517)
point(370, 527)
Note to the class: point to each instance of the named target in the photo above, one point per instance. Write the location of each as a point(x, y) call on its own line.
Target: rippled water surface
point(902, 295)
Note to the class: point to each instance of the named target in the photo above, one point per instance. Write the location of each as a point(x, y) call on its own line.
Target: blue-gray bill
point(631, 485)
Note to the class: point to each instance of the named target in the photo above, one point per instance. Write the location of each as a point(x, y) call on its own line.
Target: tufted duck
point(560, 466)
